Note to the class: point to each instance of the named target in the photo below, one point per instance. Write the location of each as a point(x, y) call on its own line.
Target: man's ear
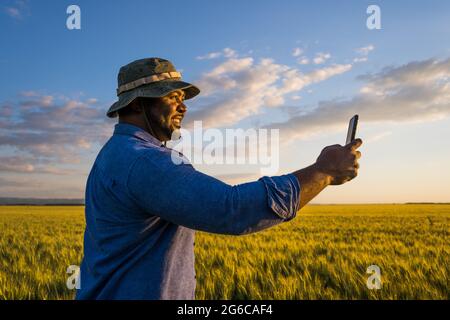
point(137, 106)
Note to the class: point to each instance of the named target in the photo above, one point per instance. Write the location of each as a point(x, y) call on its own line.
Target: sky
point(303, 67)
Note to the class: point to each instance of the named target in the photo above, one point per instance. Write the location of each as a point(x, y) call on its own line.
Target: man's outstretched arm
point(184, 196)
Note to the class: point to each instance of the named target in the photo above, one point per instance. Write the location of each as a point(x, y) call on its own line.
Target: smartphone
point(352, 129)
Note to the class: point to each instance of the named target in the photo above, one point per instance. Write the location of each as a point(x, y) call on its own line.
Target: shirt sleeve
point(184, 196)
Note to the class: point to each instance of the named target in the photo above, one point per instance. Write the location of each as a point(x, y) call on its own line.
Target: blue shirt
point(142, 210)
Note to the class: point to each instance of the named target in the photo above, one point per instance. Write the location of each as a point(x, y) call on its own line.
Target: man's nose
point(182, 107)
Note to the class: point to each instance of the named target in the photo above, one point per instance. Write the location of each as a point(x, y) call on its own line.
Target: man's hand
point(340, 162)
point(336, 164)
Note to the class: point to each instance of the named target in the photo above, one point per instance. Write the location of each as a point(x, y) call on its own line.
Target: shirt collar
point(132, 130)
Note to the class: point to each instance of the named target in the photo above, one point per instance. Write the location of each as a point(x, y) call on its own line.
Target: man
point(142, 208)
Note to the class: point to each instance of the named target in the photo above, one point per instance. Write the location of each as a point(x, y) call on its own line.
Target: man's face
point(167, 114)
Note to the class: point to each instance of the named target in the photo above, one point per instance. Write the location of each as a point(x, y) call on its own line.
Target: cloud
point(91, 101)
point(19, 183)
point(35, 187)
point(6, 110)
point(241, 87)
point(46, 101)
point(227, 53)
point(29, 93)
point(18, 10)
point(28, 164)
point(321, 58)
point(221, 76)
point(303, 60)
point(328, 72)
point(40, 133)
point(211, 55)
point(13, 12)
point(15, 164)
point(415, 92)
point(414, 75)
point(297, 52)
point(364, 51)
point(360, 59)
point(230, 66)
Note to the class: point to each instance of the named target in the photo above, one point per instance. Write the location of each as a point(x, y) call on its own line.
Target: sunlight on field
point(322, 254)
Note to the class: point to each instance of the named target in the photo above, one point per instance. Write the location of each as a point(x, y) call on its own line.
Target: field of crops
point(322, 254)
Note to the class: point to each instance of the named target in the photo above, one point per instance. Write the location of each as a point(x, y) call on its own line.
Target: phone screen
point(352, 129)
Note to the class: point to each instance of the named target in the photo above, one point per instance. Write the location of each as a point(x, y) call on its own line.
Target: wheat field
point(322, 254)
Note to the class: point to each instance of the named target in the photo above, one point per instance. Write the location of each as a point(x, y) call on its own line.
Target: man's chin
point(176, 133)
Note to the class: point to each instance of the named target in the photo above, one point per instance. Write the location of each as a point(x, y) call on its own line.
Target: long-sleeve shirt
point(142, 210)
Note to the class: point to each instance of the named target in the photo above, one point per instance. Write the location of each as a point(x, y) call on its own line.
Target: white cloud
point(93, 100)
point(231, 66)
point(327, 72)
point(297, 52)
point(303, 60)
point(321, 57)
point(29, 93)
point(18, 10)
point(46, 101)
point(83, 143)
point(15, 164)
point(208, 56)
point(364, 51)
point(360, 59)
point(240, 87)
point(13, 12)
point(219, 77)
point(415, 92)
point(45, 132)
point(227, 53)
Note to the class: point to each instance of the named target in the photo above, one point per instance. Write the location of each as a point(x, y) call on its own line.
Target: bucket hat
point(148, 78)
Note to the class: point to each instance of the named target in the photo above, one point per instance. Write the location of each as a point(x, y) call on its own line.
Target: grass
point(322, 254)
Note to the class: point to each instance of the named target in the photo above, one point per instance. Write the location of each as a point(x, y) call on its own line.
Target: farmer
point(142, 208)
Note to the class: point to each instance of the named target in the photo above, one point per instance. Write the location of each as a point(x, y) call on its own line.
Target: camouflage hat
point(148, 78)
